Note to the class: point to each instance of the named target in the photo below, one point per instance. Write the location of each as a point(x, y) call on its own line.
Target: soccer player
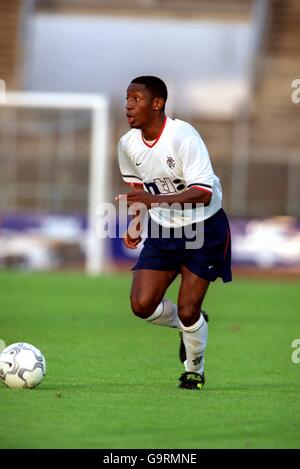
point(166, 162)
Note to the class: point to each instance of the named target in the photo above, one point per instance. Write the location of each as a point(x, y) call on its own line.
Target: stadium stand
point(222, 9)
point(10, 42)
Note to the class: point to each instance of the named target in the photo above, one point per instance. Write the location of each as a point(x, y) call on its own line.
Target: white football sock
point(195, 340)
point(165, 315)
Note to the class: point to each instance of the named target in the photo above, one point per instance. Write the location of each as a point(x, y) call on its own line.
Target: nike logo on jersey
point(138, 164)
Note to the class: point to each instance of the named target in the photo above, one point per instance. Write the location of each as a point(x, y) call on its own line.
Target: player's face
point(140, 107)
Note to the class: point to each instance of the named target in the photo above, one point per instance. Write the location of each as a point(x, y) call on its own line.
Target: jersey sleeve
point(196, 164)
point(127, 167)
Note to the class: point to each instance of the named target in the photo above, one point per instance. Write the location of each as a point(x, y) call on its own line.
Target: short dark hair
point(156, 86)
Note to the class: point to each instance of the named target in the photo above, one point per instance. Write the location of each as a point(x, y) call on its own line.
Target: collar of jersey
point(158, 137)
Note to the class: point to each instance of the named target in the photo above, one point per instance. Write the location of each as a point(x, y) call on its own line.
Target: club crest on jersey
point(171, 162)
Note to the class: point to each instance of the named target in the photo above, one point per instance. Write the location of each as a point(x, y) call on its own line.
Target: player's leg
point(193, 325)
point(182, 350)
point(147, 297)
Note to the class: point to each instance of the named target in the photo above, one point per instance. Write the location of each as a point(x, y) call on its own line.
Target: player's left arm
point(192, 195)
point(196, 167)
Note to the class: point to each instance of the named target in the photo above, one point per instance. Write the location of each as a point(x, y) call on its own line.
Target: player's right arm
point(128, 168)
point(130, 176)
point(130, 242)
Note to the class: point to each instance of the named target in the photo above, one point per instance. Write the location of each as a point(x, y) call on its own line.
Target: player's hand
point(137, 197)
point(130, 242)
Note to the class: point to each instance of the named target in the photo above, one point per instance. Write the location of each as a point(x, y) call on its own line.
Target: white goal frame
point(99, 169)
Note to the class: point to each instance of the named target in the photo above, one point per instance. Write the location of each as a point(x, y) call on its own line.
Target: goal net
point(54, 168)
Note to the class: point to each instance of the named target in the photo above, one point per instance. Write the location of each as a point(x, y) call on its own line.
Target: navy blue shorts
point(210, 261)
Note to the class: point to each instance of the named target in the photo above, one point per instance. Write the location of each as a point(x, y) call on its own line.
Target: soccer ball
point(22, 366)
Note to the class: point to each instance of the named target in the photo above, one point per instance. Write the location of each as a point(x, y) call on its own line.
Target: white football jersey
point(176, 161)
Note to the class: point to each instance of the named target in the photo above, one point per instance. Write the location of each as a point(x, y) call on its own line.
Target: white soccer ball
point(22, 366)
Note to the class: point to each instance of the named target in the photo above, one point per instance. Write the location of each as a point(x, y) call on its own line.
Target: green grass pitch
point(112, 379)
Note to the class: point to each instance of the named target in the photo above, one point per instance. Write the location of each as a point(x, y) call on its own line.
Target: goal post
point(98, 190)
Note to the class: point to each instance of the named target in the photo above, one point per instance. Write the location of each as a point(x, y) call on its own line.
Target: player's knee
point(188, 314)
point(141, 307)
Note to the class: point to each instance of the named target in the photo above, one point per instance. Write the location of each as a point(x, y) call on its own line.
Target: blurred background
point(230, 67)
